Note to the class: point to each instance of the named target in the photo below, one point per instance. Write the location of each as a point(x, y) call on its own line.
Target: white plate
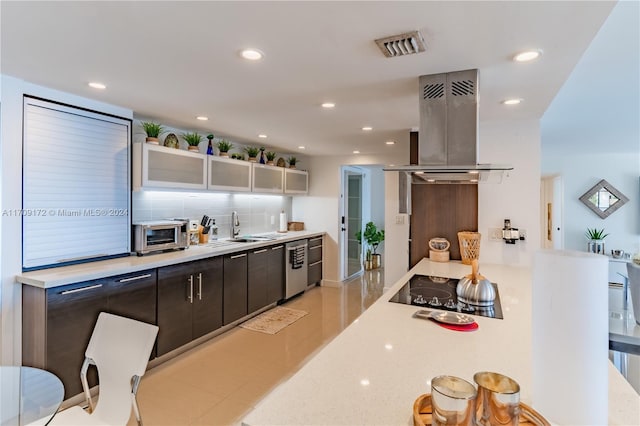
point(446, 317)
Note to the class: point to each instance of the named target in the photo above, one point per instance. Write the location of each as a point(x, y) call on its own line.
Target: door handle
point(190, 297)
point(139, 277)
point(78, 290)
point(200, 286)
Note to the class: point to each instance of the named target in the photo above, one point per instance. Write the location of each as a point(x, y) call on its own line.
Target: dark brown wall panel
point(441, 210)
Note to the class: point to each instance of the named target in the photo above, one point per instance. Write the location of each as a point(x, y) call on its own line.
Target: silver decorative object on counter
point(475, 289)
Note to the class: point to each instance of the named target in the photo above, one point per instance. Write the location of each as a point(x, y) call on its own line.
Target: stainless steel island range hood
point(448, 134)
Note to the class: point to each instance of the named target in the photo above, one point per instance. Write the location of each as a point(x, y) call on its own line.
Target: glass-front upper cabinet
point(296, 181)
point(157, 166)
point(267, 179)
point(227, 174)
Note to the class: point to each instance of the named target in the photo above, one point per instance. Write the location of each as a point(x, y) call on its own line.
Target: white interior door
point(351, 221)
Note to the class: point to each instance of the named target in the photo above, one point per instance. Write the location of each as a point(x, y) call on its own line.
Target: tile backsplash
point(257, 213)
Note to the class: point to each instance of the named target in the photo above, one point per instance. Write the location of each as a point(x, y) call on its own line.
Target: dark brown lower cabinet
point(57, 323)
point(314, 274)
point(189, 302)
point(265, 277)
point(235, 287)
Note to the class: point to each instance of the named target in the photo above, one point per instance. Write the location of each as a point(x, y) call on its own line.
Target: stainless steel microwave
point(160, 235)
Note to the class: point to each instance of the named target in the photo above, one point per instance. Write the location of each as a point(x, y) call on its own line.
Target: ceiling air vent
point(402, 44)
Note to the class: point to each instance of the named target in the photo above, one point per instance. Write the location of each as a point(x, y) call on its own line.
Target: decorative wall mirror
point(603, 199)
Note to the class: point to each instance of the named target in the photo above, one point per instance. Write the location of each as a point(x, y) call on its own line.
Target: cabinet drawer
point(315, 273)
point(315, 254)
point(315, 241)
point(133, 296)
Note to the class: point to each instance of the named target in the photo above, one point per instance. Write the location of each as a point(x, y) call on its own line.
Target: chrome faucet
point(235, 224)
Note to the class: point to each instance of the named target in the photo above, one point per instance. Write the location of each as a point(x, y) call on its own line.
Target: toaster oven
point(160, 235)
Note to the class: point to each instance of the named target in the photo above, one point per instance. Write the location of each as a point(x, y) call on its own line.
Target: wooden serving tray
point(422, 413)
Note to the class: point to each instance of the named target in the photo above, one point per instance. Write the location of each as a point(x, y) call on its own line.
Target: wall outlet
point(400, 219)
point(273, 220)
point(495, 234)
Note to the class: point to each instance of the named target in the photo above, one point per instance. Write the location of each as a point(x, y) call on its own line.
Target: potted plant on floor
point(152, 130)
point(373, 237)
point(596, 240)
point(193, 139)
point(270, 157)
point(252, 152)
point(224, 146)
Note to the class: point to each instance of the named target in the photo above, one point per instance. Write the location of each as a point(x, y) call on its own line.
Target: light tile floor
point(220, 381)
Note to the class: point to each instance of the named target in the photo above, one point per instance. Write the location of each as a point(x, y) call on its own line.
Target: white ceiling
point(172, 61)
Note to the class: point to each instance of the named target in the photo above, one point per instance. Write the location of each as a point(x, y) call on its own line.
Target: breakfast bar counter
point(376, 368)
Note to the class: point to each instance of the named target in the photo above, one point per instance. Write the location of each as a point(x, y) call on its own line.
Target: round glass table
point(28, 396)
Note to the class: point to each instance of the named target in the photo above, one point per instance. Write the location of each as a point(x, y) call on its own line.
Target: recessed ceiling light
point(328, 105)
point(202, 118)
point(512, 101)
point(301, 147)
point(97, 85)
point(528, 55)
point(390, 142)
point(252, 54)
point(262, 136)
point(356, 152)
point(367, 128)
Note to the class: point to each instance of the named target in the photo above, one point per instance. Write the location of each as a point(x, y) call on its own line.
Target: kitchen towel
point(283, 222)
point(570, 338)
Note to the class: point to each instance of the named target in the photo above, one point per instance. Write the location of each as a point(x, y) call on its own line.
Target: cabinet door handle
point(316, 239)
point(259, 251)
point(277, 248)
point(78, 290)
point(315, 263)
point(190, 297)
point(139, 277)
point(200, 286)
point(315, 248)
point(238, 256)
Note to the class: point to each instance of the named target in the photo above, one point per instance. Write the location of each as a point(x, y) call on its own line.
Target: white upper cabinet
point(225, 174)
point(296, 181)
point(157, 166)
point(267, 179)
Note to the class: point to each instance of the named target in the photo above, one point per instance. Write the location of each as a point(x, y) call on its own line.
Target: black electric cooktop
point(431, 292)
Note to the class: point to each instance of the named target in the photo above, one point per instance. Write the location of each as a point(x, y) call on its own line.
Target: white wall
point(622, 170)
point(320, 209)
point(12, 91)
point(518, 196)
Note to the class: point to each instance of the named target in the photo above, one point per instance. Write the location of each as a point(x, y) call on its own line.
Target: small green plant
point(373, 236)
point(237, 156)
point(595, 234)
point(210, 137)
point(252, 151)
point(152, 129)
point(270, 155)
point(292, 161)
point(224, 145)
point(192, 139)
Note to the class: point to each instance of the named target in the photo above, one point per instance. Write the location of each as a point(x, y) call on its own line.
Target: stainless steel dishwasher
point(296, 267)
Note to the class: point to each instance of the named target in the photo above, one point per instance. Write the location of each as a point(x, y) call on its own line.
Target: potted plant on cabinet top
point(373, 237)
point(270, 157)
point(224, 146)
point(152, 130)
point(252, 152)
point(292, 162)
point(596, 240)
point(193, 140)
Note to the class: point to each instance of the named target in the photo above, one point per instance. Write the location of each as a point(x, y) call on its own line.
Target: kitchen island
point(376, 368)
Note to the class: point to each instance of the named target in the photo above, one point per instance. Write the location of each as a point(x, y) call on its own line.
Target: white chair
point(120, 348)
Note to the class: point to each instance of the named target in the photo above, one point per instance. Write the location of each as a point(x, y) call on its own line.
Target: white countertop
point(54, 277)
point(375, 369)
